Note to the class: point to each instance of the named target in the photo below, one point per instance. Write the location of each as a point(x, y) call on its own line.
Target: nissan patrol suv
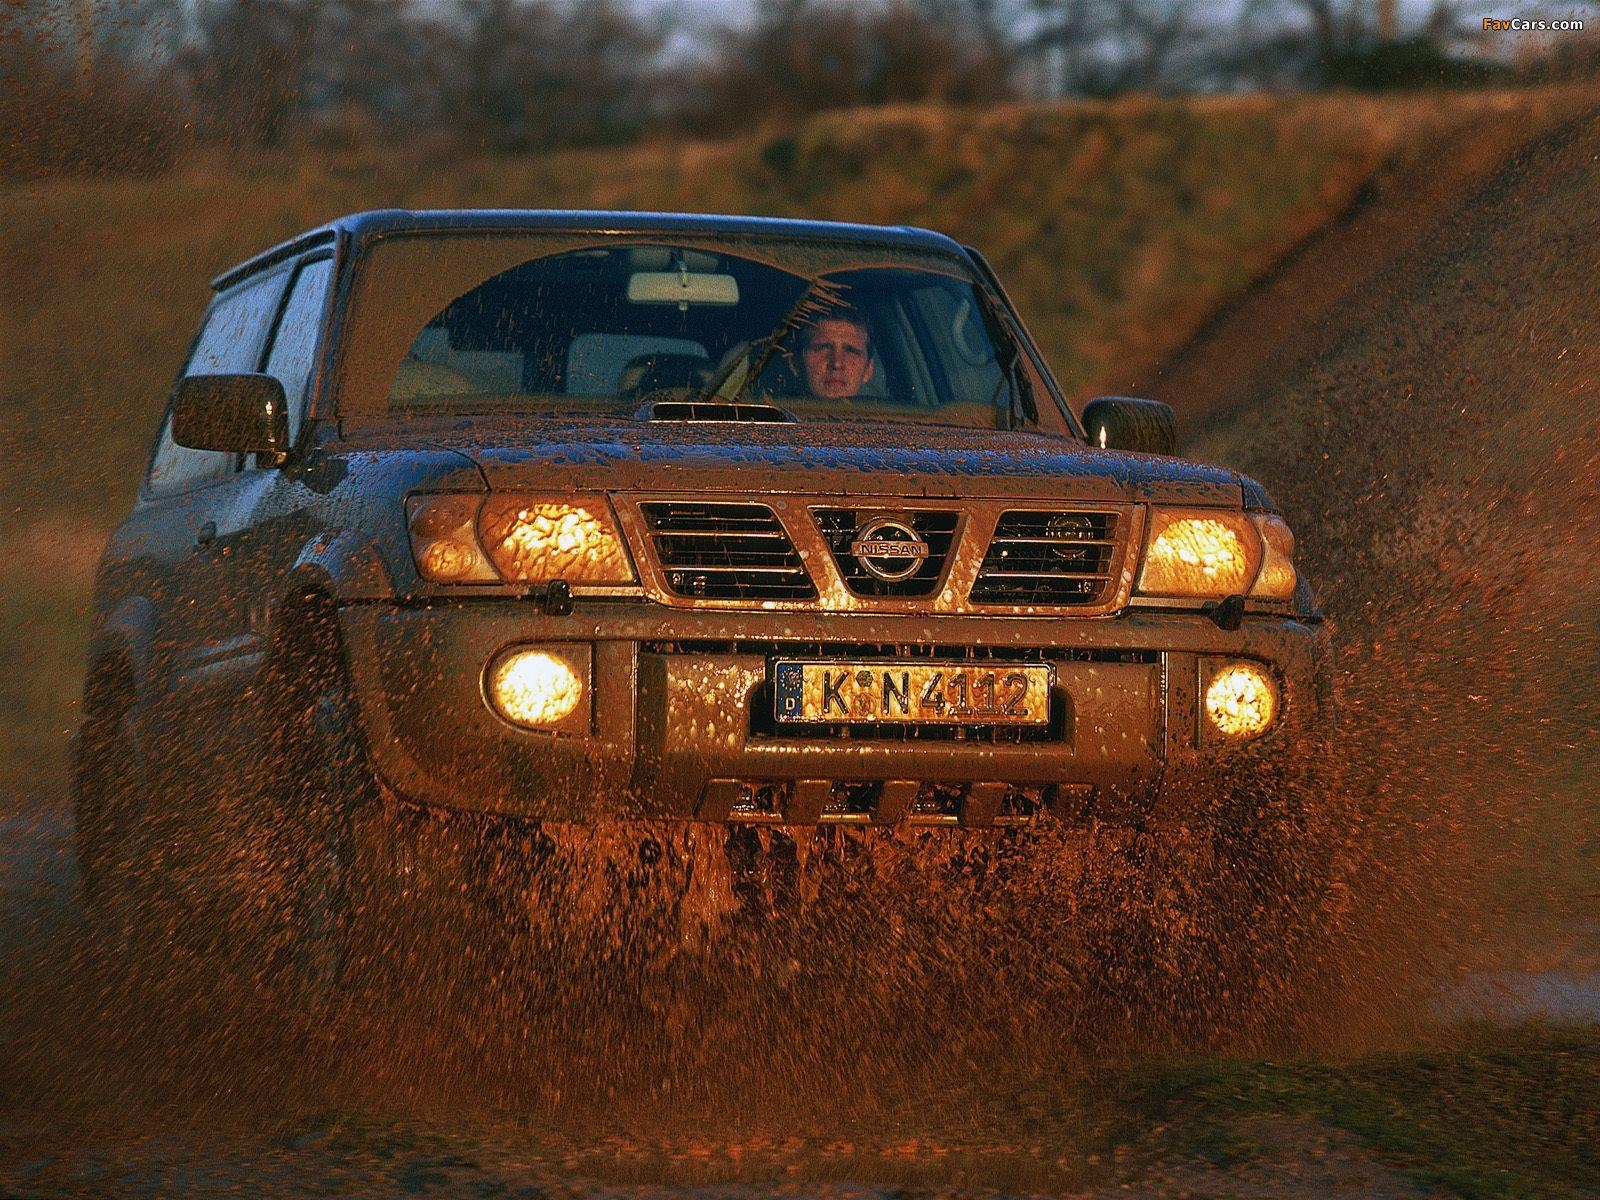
point(549, 515)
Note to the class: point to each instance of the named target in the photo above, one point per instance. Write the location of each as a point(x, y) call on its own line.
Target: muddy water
point(916, 1009)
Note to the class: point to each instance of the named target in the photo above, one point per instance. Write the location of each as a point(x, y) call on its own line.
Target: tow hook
point(1227, 614)
point(558, 599)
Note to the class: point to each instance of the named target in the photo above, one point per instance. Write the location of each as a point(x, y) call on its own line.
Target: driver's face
point(836, 361)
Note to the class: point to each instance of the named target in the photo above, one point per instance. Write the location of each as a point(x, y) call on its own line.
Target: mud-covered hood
point(865, 459)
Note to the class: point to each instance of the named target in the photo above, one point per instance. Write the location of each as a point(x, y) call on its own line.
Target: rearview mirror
point(244, 414)
point(681, 287)
point(1129, 423)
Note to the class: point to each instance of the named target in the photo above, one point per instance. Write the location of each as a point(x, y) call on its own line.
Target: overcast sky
point(693, 19)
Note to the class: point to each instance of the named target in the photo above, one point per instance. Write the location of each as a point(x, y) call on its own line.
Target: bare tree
point(83, 94)
point(1297, 42)
point(801, 56)
point(521, 74)
point(246, 67)
point(1102, 47)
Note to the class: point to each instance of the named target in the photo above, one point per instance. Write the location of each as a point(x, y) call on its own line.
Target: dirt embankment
point(1324, 287)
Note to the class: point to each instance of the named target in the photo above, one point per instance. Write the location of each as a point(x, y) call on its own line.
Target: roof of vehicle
point(359, 227)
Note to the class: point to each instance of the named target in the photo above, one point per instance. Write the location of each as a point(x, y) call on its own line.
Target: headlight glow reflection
point(1277, 578)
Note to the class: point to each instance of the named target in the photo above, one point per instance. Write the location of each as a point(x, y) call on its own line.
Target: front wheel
point(324, 801)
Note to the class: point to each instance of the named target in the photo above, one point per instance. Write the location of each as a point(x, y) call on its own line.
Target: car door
point(191, 494)
point(260, 516)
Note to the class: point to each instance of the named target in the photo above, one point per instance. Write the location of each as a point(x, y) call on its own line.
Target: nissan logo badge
point(888, 548)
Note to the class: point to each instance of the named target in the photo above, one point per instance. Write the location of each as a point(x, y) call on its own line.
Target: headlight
point(535, 541)
point(534, 688)
point(444, 539)
point(516, 539)
point(1242, 700)
point(1206, 555)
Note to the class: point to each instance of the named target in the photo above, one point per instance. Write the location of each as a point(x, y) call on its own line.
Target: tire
point(114, 849)
point(323, 801)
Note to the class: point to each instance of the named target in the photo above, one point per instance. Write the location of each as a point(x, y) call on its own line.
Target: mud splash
point(670, 973)
point(1440, 462)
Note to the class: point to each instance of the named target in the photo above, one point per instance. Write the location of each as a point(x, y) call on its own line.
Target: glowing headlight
point(1200, 554)
point(444, 540)
point(1242, 701)
point(534, 688)
point(535, 541)
point(465, 539)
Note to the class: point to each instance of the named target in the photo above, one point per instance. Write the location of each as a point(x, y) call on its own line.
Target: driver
point(836, 354)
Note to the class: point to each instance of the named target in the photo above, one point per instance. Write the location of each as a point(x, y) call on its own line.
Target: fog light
point(1242, 700)
point(535, 688)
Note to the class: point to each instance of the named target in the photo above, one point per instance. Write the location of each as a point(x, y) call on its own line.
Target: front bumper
point(677, 729)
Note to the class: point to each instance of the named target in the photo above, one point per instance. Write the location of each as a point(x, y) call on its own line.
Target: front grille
point(937, 530)
point(857, 651)
point(725, 552)
point(1049, 559)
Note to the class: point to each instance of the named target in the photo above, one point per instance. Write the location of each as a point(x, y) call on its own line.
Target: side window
point(236, 328)
point(951, 314)
point(229, 341)
point(294, 342)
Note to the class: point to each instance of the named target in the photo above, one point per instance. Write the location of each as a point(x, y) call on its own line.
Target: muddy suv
point(553, 514)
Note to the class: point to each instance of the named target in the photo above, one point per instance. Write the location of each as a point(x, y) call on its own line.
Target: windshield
point(770, 330)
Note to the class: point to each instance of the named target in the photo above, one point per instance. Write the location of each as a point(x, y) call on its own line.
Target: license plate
point(924, 693)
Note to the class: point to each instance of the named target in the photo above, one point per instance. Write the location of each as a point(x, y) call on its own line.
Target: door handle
point(206, 535)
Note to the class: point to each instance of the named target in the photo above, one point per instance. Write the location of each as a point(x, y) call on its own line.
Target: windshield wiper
point(1020, 403)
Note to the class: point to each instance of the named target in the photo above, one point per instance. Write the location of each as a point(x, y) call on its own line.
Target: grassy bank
point(1512, 1117)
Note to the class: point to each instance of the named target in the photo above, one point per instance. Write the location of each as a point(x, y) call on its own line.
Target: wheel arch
point(119, 662)
point(306, 648)
point(305, 644)
point(346, 564)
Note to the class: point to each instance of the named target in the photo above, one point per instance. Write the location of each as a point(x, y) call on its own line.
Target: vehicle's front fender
point(347, 566)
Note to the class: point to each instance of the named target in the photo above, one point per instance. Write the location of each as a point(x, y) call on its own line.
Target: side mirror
point(1129, 423)
point(245, 414)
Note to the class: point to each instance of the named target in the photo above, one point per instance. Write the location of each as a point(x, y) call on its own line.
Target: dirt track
point(1439, 457)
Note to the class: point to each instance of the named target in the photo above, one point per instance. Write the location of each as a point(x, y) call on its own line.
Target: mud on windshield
point(754, 329)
